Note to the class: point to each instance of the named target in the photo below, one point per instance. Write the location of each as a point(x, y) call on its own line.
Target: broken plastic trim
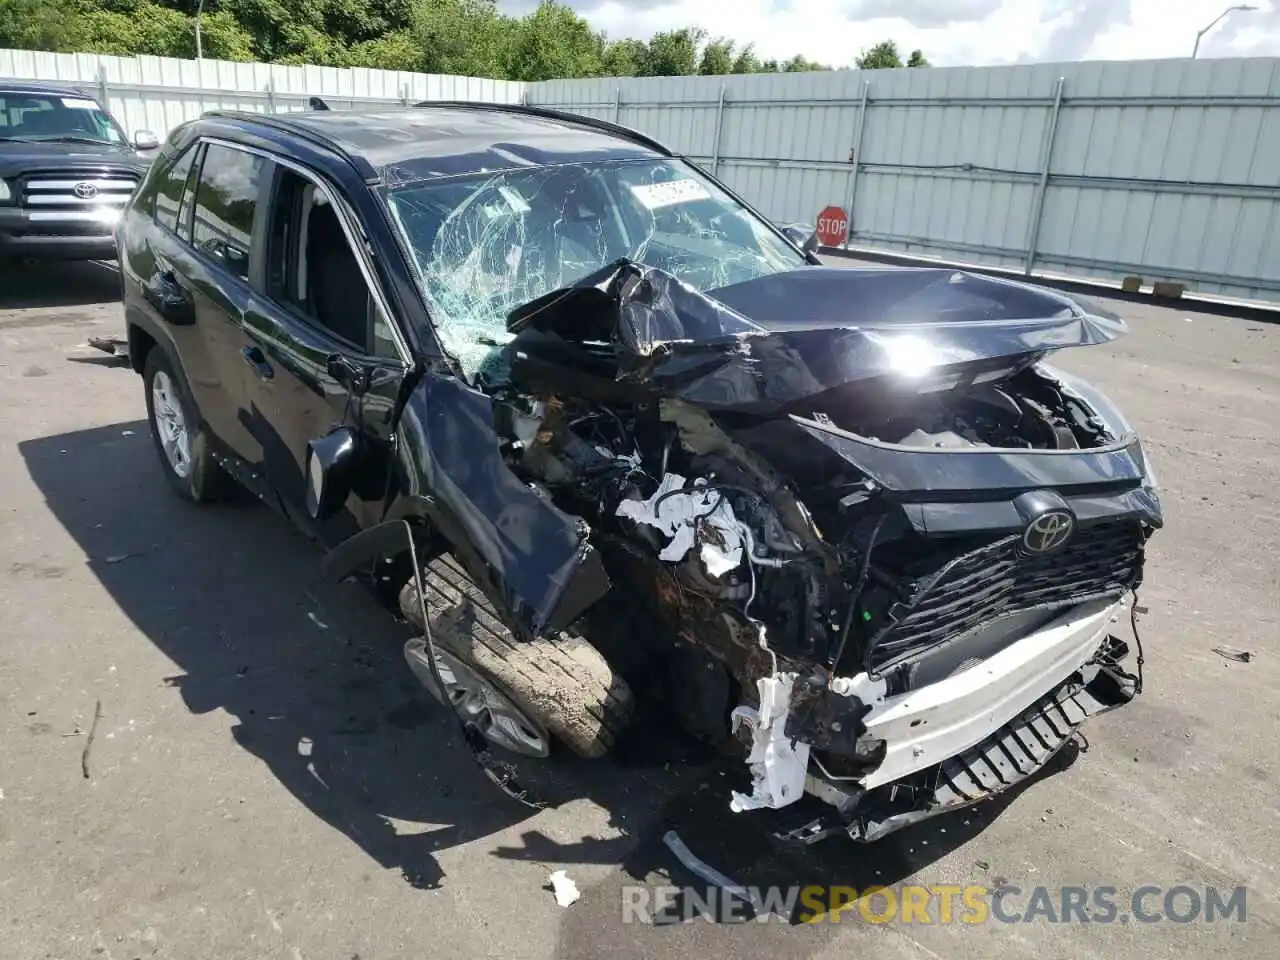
point(778, 763)
point(710, 874)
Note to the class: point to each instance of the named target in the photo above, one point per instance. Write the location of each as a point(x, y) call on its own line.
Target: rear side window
point(226, 197)
point(171, 187)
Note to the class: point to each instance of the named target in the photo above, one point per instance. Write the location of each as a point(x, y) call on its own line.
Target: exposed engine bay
point(837, 524)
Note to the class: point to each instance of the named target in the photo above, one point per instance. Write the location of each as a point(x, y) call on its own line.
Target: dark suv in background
point(581, 415)
point(66, 171)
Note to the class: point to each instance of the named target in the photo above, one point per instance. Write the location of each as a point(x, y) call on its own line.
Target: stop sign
point(832, 226)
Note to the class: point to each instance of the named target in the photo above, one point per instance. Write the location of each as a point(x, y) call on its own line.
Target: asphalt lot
point(263, 787)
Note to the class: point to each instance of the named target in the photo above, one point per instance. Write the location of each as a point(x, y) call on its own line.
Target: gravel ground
point(260, 786)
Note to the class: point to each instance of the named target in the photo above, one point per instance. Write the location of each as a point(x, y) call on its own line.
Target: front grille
point(999, 579)
point(58, 196)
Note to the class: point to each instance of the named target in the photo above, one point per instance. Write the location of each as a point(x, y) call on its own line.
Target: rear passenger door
point(319, 305)
point(203, 258)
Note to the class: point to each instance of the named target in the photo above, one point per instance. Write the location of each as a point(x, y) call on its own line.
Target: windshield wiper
point(18, 140)
point(73, 138)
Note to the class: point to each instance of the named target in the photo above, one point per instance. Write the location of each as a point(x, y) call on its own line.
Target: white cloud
point(953, 32)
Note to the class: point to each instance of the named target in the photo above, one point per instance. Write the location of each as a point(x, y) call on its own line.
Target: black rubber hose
point(856, 594)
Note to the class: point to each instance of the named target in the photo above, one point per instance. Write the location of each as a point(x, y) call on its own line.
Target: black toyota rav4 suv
point(66, 171)
point(581, 415)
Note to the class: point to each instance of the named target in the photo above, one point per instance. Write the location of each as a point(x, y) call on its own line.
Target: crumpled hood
point(771, 342)
point(17, 157)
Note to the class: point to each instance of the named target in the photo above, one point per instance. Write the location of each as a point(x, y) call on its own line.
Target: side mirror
point(330, 472)
point(348, 373)
point(804, 237)
point(145, 140)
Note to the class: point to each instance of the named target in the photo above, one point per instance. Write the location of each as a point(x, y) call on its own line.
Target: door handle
point(254, 357)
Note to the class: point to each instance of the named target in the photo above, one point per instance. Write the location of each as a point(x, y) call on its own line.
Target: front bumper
point(973, 734)
point(926, 726)
point(1013, 753)
point(86, 236)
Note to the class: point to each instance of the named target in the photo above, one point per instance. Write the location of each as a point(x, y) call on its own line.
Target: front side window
point(484, 244)
point(313, 271)
point(225, 200)
point(45, 117)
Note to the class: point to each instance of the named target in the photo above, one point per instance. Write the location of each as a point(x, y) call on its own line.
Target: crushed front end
point(878, 543)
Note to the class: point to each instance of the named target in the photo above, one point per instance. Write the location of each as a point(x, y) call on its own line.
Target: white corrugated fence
point(1165, 170)
point(158, 93)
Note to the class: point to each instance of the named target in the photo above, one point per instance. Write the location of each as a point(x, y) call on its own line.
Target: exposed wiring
point(828, 774)
point(1137, 640)
point(855, 595)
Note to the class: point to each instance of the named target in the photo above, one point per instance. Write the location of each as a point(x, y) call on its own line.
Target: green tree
point(469, 37)
point(746, 61)
point(883, 56)
point(466, 37)
point(553, 42)
point(398, 50)
point(917, 59)
point(674, 53)
point(799, 64)
point(623, 58)
point(717, 58)
point(41, 25)
point(129, 27)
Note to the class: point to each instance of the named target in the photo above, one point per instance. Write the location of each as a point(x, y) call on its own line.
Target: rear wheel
point(181, 443)
point(517, 690)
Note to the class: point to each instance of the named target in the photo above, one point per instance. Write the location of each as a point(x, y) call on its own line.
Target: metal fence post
point(104, 92)
point(404, 94)
point(1046, 160)
point(617, 103)
point(271, 95)
point(856, 156)
point(715, 148)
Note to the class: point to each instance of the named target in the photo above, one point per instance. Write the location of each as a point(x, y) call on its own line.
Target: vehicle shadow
point(327, 704)
point(58, 284)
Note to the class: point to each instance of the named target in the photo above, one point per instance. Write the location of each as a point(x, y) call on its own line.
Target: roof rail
point(279, 121)
point(635, 136)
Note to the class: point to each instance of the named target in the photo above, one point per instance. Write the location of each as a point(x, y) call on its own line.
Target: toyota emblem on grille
point(85, 191)
point(1048, 531)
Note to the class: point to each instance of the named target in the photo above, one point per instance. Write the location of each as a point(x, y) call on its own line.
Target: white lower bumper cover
point(926, 726)
point(777, 767)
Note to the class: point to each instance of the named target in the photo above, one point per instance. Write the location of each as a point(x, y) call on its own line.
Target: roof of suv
point(40, 86)
point(448, 139)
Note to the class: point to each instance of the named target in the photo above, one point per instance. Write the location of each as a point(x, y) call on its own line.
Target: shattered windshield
point(487, 243)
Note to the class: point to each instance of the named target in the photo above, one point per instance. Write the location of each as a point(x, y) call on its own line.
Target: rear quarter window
point(169, 188)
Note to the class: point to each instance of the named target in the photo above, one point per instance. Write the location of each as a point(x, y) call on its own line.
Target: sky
point(951, 32)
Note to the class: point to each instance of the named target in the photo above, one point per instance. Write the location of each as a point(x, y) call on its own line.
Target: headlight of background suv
point(5, 195)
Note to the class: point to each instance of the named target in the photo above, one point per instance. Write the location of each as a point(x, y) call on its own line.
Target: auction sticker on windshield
point(75, 103)
point(669, 192)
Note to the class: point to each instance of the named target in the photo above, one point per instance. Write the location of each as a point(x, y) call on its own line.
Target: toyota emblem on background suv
point(1048, 532)
point(85, 191)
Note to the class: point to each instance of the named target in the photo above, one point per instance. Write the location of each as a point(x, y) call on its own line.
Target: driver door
point(319, 303)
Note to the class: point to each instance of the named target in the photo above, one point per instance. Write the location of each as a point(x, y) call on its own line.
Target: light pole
point(200, 49)
point(1196, 48)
